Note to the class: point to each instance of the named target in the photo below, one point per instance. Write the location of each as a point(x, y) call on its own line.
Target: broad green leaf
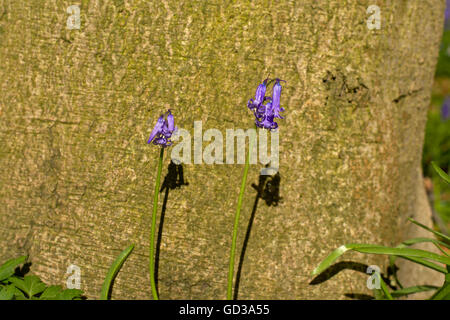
point(57, 293)
point(441, 172)
point(31, 285)
point(51, 293)
point(34, 285)
point(7, 269)
point(70, 294)
point(429, 229)
point(113, 270)
point(7, 292)
point(19, 295)
point(411, 290)
point(18, 282)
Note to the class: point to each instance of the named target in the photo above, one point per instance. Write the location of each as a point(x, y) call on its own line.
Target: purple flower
point(276, 96)
point(163, 130)
point(259, 96)
point(447, 11)
point(445, 110)
point(267, 119)
point(447, 15)
point(266, 113)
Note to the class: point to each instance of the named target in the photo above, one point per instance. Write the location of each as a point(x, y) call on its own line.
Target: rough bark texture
point(77, 106)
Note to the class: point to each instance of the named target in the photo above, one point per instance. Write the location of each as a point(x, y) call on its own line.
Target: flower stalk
point(236, 224)
point(153, 228)
point(160, 135)
point(265, 109)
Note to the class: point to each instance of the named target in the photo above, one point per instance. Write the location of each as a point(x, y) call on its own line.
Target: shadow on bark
point(173, 180)
point(338, 267)
point(355, 266)
point(268, 189)
point(359, 296)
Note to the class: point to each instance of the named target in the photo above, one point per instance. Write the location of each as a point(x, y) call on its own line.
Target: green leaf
point(51, 293)
point(411, 290)
point(437, 243)
point(19, 295)
point(70, 294)
point(426, 263)
point(441, 172)
point(31, 285)
point(328, 261)
point(420, 261)
point(378, 294)
point(18, 283)
point(57, 293)
point(405, 252)
point(113, 270)
point(415, 255)
point(384, 288)
point(429, 229)
point(443, 293)
point(7, 292)
point(7, 269)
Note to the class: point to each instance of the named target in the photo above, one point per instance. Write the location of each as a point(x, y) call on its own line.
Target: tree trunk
point(77, 107)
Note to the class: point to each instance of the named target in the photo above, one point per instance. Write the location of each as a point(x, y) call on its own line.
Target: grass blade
point(429, 229)
point(405, 252)
point(328, 261)
point(443, 293)
point(415, 255)
point(427, 264)
point(411, 290)
point(437, 243)
point(441, 172)
point(384, 288)
point(113, 270)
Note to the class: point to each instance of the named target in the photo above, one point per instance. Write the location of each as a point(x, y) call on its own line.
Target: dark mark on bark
point(346, 88)
point(409, 93)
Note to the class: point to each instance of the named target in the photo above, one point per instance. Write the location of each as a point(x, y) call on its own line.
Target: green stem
point(384, 288)
point(152, 234)
point(236, 222)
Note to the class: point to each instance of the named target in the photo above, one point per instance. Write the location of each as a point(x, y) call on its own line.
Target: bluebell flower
point(266, 109)
point(259, 96)
point(163, 130)
point(445, 109)
point(447, 11)
point(267, 120)
point(276, 96)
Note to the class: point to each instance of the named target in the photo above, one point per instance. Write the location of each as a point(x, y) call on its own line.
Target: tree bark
point(77, 106)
